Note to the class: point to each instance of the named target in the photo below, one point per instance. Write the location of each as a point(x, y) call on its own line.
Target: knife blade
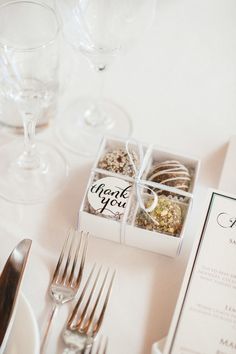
point(10, 281)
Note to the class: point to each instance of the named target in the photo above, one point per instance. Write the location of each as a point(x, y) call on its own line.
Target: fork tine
point(75, 257)
point(100, 318)
point(106, 345)
point(82, 317)
point(72, 232)
point(96, 302)
point(99, 346)
point(91, 349)
point(75, 311)
point(57, 270)
point(79, 277)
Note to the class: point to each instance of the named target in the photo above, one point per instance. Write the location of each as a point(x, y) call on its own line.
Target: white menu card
point(205, 317)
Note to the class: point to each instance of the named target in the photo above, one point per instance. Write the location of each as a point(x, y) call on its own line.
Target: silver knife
point(10, 281)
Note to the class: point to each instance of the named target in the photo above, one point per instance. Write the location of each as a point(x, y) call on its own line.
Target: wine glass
point(29, 60)
point(100, 29)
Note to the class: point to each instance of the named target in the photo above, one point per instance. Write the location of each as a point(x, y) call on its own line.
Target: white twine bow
point(139, 183)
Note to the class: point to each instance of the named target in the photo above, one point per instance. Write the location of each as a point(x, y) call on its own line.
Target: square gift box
point(139, 195)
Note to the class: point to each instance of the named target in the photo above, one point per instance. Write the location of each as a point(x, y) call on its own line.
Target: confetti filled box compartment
point(142, 233)
point(139, 195)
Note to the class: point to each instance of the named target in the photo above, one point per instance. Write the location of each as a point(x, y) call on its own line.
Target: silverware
point(10, 282)
point(100, 348)
point(68, 274)
point(88, 314)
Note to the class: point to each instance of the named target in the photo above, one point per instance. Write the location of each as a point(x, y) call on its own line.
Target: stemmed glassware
point(100, 29)
point(29, 77)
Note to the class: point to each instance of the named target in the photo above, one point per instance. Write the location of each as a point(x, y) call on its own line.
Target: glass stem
point(95, 115)
point(100, 72)
point(30, 158)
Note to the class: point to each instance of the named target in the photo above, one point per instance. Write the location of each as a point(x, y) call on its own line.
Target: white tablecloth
point(179, 86)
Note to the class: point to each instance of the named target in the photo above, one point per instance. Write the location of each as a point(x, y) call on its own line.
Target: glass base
point(30, 186)
point(84, 123)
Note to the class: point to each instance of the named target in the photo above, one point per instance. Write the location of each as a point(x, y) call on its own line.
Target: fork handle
point(45, 336)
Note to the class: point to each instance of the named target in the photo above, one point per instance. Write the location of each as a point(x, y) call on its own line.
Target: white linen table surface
point(178, 83)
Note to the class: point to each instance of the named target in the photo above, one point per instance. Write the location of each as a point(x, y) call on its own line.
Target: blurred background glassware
point(100, 29)
point(29, 62)
point(10, 120)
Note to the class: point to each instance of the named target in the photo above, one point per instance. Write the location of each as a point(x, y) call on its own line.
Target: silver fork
point(67, 275)
point(88, 313)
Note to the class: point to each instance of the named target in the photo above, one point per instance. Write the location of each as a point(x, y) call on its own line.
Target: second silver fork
point(67, 275)
point(88, 313)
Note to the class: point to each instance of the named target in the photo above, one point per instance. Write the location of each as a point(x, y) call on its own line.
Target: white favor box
point(125, 231)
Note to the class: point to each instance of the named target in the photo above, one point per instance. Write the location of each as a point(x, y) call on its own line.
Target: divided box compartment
point(124, 229)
